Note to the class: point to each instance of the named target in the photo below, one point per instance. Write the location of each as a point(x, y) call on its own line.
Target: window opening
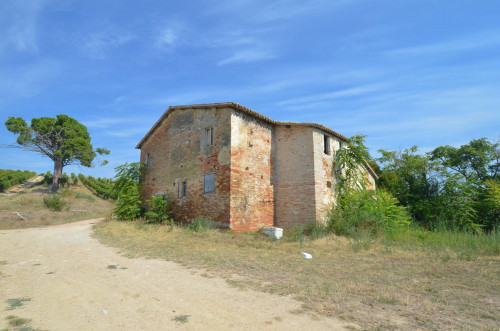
point(182, 189)
point(148, 160)
point(209, 183)
point(326, 144)
point(209, 136)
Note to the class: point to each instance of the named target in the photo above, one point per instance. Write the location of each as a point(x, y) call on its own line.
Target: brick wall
point(294, 175)
point(265, 174)
point(177, 154)
point(252, 193)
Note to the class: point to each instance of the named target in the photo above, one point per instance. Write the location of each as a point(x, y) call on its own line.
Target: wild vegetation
point(448, 188)
point(35, 205)
point(129, 204)
point(102, 187)
point(62, 139)
point(9, 178)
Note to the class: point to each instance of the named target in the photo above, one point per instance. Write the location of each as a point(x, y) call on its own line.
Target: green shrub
point(201, 224)
point(64, 180)
point(74, 178)
point(54, 202)
point(9, 178)
point(128, 206)
point(47, 178)
point(159, 209)
point(102, 187)
point(367, 211)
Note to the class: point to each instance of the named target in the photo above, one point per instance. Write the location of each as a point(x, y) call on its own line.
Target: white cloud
point(265, 11)
point(19, 20)
point(98, 44)
point(247, 56)
point(350, 92)
point(170, 35)
point(166, 37)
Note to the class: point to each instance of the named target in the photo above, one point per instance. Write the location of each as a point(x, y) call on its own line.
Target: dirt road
point(71, 282)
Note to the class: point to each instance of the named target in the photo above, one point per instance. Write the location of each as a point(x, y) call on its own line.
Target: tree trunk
point(58, 167)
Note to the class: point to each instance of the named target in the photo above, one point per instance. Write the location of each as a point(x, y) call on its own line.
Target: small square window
point(209, 183)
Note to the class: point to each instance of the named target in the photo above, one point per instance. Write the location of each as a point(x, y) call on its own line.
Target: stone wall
point(324, 172)
point(177, 155)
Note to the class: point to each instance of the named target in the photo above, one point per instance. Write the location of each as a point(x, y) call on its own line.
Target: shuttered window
point(209, 183)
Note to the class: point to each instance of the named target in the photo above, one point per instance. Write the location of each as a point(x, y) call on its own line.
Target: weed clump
point(18, 321)
point(375, 212)
point(312, 230)
point(84, 196)
point(54, 202)
point(159, 209)
point(66, 192)
point(201, 224)
point(181, 319)
point(16, 303)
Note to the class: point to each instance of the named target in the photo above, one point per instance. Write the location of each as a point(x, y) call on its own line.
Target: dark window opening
point(148, 160)
point(326, 144)
point(182, 189)
point(209, 136)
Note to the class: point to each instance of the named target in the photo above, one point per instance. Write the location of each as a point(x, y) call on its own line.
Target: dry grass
point(28, 202)
point(372, 285)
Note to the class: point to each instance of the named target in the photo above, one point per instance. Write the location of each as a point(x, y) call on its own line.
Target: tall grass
point(201, 224)
point(464, 245)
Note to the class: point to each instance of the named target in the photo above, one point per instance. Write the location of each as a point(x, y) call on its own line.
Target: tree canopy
point(449, 187)
point(348, 164)
point(62, 139)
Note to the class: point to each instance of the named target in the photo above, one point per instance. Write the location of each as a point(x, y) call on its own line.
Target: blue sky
point(404, 73)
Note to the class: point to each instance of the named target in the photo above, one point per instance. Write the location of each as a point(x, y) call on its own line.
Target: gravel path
point(75, 283)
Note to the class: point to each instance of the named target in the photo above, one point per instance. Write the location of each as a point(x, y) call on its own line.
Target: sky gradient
point(404, 73)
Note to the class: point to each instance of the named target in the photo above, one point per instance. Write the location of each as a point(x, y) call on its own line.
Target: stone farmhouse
point(240, 168)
